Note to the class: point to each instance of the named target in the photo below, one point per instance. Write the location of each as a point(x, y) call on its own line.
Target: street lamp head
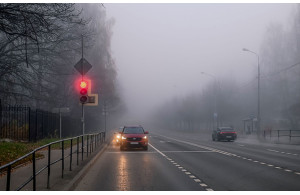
point(244, 49)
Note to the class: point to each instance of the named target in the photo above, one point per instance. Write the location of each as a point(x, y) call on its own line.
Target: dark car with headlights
point(224, 133)
point(134, 137)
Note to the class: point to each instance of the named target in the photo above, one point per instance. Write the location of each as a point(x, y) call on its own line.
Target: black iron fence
point(21, 123)
point(77, 147)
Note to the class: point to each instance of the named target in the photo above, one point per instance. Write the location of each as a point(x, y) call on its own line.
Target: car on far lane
point(224, 133)
point(134, 137)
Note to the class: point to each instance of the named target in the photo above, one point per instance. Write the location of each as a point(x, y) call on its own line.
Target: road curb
point(73, 183)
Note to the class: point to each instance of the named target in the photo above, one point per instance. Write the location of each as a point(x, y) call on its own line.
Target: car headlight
point(145, 137)
point(118, 136)
point(124, 137)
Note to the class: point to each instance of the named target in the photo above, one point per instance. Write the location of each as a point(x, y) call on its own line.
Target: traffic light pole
point(82, 110)
point(82, 119)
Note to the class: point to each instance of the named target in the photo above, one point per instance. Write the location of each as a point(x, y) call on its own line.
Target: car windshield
point(133, 130)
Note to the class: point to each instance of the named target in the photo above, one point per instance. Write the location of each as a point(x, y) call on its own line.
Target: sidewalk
point(56, 182)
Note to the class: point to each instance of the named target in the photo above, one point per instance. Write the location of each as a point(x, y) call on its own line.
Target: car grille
point(134, 139)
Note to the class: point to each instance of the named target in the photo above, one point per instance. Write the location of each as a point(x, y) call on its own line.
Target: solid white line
point(125, 152)
point(157, 150)
point(187, 151)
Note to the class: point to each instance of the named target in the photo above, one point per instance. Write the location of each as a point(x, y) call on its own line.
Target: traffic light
point(83, 91)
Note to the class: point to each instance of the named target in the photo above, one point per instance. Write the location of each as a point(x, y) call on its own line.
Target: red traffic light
point(83, 84)
point(83, 91)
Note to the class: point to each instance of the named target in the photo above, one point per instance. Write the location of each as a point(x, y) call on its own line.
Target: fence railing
point(21, 123)
point(281, 133)
point(84, 143)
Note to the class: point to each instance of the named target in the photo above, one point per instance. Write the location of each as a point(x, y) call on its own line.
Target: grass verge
point(10, 151)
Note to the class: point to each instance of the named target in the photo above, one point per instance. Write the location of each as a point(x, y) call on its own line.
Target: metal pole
point(258, 95)
point(71, 152)
point(82, 110)
point(59, 124)
point(82, 119)
point(62, 160)
point(33, 171)
point(49, 169)
point(8, 178)
point(258, 91)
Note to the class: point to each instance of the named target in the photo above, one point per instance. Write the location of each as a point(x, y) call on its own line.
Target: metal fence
point(77, 147)
point(269, 134)
point(21, 123)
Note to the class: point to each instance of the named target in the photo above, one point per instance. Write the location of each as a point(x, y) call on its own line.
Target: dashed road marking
point(288, 153)
point(235, 155)
point(205, 186)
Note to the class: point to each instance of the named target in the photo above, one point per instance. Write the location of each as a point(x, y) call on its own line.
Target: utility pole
point(258, 90)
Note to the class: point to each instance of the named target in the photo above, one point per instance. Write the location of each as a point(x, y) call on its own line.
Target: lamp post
point(258, 89)
point(215, 115)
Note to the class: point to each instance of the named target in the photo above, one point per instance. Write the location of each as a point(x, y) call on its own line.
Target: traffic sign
point(83, 66)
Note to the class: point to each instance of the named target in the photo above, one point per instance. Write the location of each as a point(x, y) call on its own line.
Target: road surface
point(193, 162)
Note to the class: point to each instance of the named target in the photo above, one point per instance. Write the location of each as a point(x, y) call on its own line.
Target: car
point(224, 133)
point(117, 138)
point(134, 137)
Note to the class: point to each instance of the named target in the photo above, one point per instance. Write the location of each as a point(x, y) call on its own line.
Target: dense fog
point(181, 64)
point(189, 67)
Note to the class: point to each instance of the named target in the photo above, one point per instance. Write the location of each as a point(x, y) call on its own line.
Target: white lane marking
point(192, 151)
point(126, 152)
point(184, 170)
point(288, 153)
point(158, 150)
point(229, 154)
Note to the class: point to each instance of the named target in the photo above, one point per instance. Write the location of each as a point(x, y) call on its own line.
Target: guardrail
point(84, 143)
point(281, 133)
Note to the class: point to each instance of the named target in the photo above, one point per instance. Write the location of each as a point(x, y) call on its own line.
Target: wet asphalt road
point(192, 162)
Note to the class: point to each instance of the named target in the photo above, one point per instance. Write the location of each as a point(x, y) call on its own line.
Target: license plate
point(228, 136)
point(134, 142)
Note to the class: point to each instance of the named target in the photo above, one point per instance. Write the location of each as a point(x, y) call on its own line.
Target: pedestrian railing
point(281, 133)
point(84, 144)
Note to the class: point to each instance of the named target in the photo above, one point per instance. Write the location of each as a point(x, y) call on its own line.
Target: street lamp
point(215, 106)
point(258, 89)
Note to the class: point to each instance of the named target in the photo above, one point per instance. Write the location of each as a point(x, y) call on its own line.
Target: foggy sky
point(161, 49)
